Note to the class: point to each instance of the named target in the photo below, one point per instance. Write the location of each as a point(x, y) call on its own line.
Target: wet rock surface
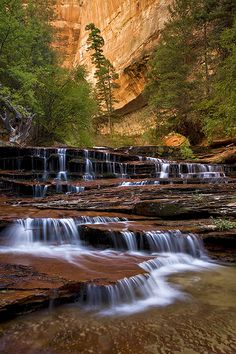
point(118, 202)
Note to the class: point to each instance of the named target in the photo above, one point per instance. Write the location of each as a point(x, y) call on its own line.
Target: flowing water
point(159, 254)
point(204, 323)
point(159, 292)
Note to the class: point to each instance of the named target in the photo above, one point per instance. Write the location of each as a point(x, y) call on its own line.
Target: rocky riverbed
point(94, 226)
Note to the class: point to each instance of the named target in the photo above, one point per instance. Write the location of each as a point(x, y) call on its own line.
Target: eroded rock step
point(63, 268)
point(106, 259)
point(43, 189)
point(162, 201)
point(57, 280)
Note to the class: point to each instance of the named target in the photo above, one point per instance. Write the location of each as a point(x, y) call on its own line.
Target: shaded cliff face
point(130, 28)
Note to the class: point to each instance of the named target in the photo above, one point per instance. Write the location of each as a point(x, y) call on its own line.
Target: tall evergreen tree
point(105, 74)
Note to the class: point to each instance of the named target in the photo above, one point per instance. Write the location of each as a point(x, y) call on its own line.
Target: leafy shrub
point(223, 224)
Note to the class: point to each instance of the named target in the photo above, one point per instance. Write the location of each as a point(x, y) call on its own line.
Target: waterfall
point(169, 252)
point(62, 174)
point(137, 293)
point(177, 252)
point(28, 231)
point(165, 167)
point(202, 171)
point(130, 240)
point(162, 241)
point(40, 190)
point(51, 230)
point(74, 189)
point(42, 153)
point(89, 173)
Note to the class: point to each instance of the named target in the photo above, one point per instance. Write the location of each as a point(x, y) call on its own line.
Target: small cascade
point(158, 163)
point(203, 171)
point(123, 170)
point(74, 189)
point(98, 220)
point(174, 242)
point(89, 173)
point(62, 174)
point(40, 190)
point(161, 241)
point(137, 293)
point(130, 241)
point(165, 167)
point(53, 231)
point(171, 252)
point(42, 153)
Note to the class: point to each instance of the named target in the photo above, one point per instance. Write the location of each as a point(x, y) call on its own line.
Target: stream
point(203, 322)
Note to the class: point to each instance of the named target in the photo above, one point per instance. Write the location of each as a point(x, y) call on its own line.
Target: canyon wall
point(130, 28)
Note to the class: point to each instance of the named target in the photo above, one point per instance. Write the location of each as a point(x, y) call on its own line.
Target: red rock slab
point(105, 269)
point(28, 283)
point(11, 212)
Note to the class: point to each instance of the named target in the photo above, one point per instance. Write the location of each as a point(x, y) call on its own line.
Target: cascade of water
point(155, 160)
point(51, 230)
point(74, 189)
point(42, 153)
point(177, 252)
point(62, 174)
point(203, 171)
point(163, 241)
point(174, 242)
point(97, 220)
point(139, 292)
point(157, 163)
point(40, 190)
point(165, 167)
point(27, 231)
point(130, 240)
point(123, 170)
point(89, 173)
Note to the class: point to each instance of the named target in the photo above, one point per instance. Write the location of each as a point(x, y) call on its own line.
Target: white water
point(62, 174)
point(74, 189)
point(89, 173)
point(136, 294)
point(171, 252)
point(40, 190)
point(192, 170)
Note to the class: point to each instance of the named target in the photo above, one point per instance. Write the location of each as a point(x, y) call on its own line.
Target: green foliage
point(25, 38)
point(66, 106)
point(186, 152)
point(193, 68)
point(31, 77)
point(223, 224)
point(220, 109)
point(105, 74)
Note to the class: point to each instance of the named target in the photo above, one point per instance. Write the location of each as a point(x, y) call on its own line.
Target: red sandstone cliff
point(130, 28)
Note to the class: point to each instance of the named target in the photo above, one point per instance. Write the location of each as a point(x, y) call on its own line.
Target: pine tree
point(105, 74)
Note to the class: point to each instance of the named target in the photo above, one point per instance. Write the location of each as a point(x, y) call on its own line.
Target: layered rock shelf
point(80, 225)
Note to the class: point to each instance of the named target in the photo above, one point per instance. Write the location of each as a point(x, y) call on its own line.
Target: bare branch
point(16, 123)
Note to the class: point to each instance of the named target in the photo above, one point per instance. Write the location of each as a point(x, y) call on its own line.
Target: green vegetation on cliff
point(192, 73)
point(32, 83)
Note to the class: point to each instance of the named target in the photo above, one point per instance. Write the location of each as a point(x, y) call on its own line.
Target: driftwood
point(16, 123)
